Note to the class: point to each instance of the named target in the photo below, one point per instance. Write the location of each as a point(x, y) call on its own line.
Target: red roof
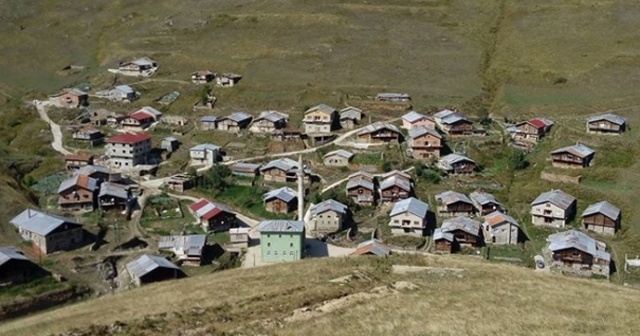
point(212, 213)
point(129, 138)
point(537, 123)
point(140, 116)
point(199, 204)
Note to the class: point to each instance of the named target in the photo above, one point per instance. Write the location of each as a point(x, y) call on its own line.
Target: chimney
point(300, 189)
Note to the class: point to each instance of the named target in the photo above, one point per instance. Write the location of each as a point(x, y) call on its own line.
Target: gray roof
point(608, 117)
point(421, 130)
point(91, 169)
point(328, 205)
point(390, 95)
point(604, 208)
point(443, 114)
point(244, 166)
point(497, 218)
point(361, 173)
point(483, 198)
point(375, 246)
point(281, 226)
point(204, 147)
point(113, 189)
point(150, 110)
point(39, 222)
point(395, 181)
point(413, 116)
point(321, 107)
point(465, 224)
point(556, 197)
point(453, 118)
point(285, 193)
point(578, 240)
point(396, 172)
point(170, 139)
point(285, 164)
point(447, 161)
point(187, 245)
point(68, 183)
point(359, 182)
point(126, 89)
point(439, 234)
point(351, 112)
point(546, 122)
point(147, 263)
point(340, 152)
point(411, 205)
point(579, 150)
point(9, 253)
point(208, 119)
point(238, 116)
point(142, 61)
point(378, 125)
point(272, 116)
point(450, 197)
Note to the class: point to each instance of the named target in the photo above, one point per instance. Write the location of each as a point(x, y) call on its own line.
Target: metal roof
point(124, 89)
point(81, 181)
point(483, 198)
point(411, 205)
point(285, 164)
point(208, 119)
point(142, 61)
point(413, 116)
point(39, 222)
point(285, 193)
point(206, 209)
point(322, 108)
point(272, 116)
point(340, 152)
point(453, 118)
point(465, 224)
point(608, 117)
point(238, 116)
point(604, 208)
point(185, 245)
point(351, 112)
point(556, 197)
point(578, 150)
point(245, 167)
point(359, 182)
point(447, 161)
point(9, 253)
point(439, 234)
point(204, 147)
point(443, 114)
point(496, 218)
point(450, 197)
point(361, 174)
point(396, 172)
point(113, 189)
point(421, 130)
point(281, 226)
point(151, 111)
point(91, 169)
point(391, 95)
point(129, 138)
point(328, 205)
point(170, 139)
point(378, 125)
point(578, 240)
point(374, 247)
point(395, 181)
point(147, 263)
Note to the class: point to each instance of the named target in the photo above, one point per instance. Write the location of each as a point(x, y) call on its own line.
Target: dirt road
point(55, 128)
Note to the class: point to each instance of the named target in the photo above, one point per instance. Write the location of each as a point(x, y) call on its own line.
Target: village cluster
point(106, 183)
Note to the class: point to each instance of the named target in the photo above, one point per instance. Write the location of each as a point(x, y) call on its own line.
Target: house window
point(279, 236)
point(268, 244)
point(290, 244)
point(396, 221)
point(275, 252)
point(268, 236)
point(268, 252)
point(291, 253)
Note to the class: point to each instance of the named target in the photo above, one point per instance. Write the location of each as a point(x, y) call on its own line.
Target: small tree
point(217, 178)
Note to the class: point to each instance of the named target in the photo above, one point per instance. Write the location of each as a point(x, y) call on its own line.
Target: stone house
point(239, 237)
point(77, 161)
point(90, 135)
point(282, 240)
point(234, 123)
point(139, 67)
point(452, 204)
point(394, 188)
point(553, 208)
point(466, 230)
point(606, 124)
point(269, 121)
point(188, 249)
point(327, 216)
point(409, 216)
point(202, 77)
point(213, 217)
point(122, 93)
point(16, 268)
point(350, 117)
point(71, 98)
point(282, 200)
point(501, 229)
point(208, 123)
point(484, 203)
point(372, 247)
point(319, 119)
point(337, 158)
point(380, 132)
point(576, 156)
point(456, 164)
point(414, 119)
point(181, 182)
point(574, 252)
point(49, 232)
point(361, 190)
point(444, 242)
point(393, 97)
point(205, 154)
point(425, 143)
point(227, 79)
point(127, 150)
point(78, 193)
point(152, 268)
point(602, 217)
point(169, 144)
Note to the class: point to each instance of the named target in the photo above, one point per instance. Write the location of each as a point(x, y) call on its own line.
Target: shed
point(151, 268)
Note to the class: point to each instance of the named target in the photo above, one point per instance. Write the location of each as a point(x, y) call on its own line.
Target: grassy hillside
point(480, 299)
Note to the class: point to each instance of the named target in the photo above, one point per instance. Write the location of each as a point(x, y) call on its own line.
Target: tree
point(217, 178)
point(518, 160)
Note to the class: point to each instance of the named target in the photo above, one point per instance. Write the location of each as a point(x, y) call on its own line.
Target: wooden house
point(234, 123)
point(466, 230)
point(282, 200)
point(393, 97)
point(553, 208)
point(286, 134)
point(531, 130)
point(602, 217)
point(245, 169)
point(444, 242)
point(380, 132)
point(362, 174)
point(456, 164)
point(269, 121)
point(452, 204)
point(78, 193)
point(141, 119)
point(113, 196)
point(189, 250)
point(606, 124)
point(454, 124)
point(77, 161)
point(414, 119)
point(337, 158)
point(574, 252)
point(213, 216)
point(350, 117)
point(575, 156)
point(89, 135)
point(320, 119)
point(151, 268)
point(205, 154)
point(484, 203)
point(394, 188)
point(49, 232)
point(361, 191)
point(425, 142)
point(283, 170)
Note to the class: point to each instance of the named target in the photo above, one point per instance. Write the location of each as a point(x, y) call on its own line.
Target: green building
point(281, 240)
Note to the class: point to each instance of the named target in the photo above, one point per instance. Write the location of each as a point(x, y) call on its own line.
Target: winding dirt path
point(55, 128)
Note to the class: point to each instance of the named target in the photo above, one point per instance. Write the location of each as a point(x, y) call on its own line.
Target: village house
point(78, 193)
point(269, 121)
point(372, 247)
point(175, 120)
point(77, 161)
point(99, 173)
point(398, 174)
point(127, 150)
point(189, 249)
point(350, 117)
point(501, 229)
point(606, 124)
point(141, 119)
point(113, 196)
point(208, 123)
point(456, 164)
point(88, 134)
point(205, 154)
point(283, 170)
point(574, 252)
point(553, 208)
point(122, 93)
point(286, 134)
point(319, 119)
point(282, 200)
point(380, 132)
point(227, 79)
point(16, 268)
point(393, 97)
point(282, 240)
point(202, 77)
point(234, 123)
point(575, 156)
point(169, 144)
point(602, 217)
point(361, 190)
point(444, 242)
point(424, 142)
point(239, 237)
point(49, 232)
point(531, 130)
point(362, 174)
point(139, 67)
point(452, 204)
point(409, 216)
point(484, 203)
point(71, 98)
point(213, 217)
point(337, 158)
point(152, 268)
point(394, 188)
point(181, 182)
point(465, 230)
point(414, 119)
point(115, 120)
point(245, 169)
point(453, 123)
point(326, 217)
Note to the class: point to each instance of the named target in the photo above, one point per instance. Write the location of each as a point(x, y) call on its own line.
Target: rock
point(405, 285)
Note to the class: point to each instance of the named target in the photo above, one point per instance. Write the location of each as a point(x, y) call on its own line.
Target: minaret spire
point(300, 189)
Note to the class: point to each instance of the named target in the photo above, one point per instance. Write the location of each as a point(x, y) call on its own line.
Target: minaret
point(300, 189)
